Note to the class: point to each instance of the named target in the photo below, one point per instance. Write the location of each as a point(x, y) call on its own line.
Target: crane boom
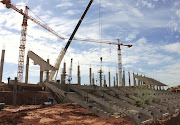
point(100, 41)
point(36, 21)
point(63, 52)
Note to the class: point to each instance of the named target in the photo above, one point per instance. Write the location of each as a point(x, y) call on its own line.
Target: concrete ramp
point(44, 66)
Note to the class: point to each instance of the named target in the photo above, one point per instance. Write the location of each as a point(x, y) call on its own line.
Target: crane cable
point(100, 27)
point(39, 18)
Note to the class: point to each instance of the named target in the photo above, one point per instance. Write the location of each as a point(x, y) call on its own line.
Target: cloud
point(173, 48)
point(178, 13)
point(72, 12)
point(64, 4)
point(131, 36)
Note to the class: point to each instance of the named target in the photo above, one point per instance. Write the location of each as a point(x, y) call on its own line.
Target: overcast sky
point(151, 26)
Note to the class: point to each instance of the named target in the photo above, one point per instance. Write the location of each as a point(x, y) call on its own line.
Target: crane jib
point(77, 26)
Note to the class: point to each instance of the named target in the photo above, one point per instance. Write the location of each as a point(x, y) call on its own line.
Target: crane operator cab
point(7, 2)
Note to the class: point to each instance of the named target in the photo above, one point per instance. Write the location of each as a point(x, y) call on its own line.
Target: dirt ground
point(60, 114)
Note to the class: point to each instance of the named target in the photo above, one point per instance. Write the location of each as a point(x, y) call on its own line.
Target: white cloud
point(178, 13)
point(72, 12)
point(131, 36)
point(173, 48)
point(65, 4)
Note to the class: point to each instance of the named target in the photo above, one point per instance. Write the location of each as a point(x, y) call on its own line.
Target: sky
point(151, 26)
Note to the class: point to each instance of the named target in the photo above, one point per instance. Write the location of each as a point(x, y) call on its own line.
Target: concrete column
point(90, 76)
point(124, 83)
point(93, 79)
point(15, 91)
point(114, 82)
point(47, 73)
point(104, 81)
point(63, 75)
point(79, 77)
point(109, 79)
point(100, 77)
point(116, 79)
point(129, 79)
point(27, 70)
point(41, 76)
point(159, 87)
point(2, 65)
point(134, 80)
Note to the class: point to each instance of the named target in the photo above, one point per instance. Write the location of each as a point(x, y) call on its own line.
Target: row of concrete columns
point(144, 85)
point(109, 74)
point(41, 72)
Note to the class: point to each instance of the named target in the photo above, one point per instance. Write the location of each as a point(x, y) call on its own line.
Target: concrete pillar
point(116, 79)
point(27, 70)
point(15, 91)
point(90, 76)
point(63, 75)
point(129, 79)
point(41, 76)
point(124, 83)
point(47, 73)
point(93, 79)
point(79, 77)
point(100, 77)
point(134, 80)
point(104, 81)
point(159, 87)
point(109, 79)
point(2, 65)
point(114, 82)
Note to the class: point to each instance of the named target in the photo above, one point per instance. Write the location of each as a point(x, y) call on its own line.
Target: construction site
point(60, 102)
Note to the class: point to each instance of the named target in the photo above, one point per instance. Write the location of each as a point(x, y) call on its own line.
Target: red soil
point(60, 114)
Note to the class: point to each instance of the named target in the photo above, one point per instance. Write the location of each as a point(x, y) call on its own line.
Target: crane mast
point(119, 64)
point(22, 46)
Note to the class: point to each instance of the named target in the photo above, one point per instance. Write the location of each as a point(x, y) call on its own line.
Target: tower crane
point(119, 53)
point(23, 34)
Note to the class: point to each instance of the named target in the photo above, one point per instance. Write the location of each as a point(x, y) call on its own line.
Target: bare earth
point(60, 114)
